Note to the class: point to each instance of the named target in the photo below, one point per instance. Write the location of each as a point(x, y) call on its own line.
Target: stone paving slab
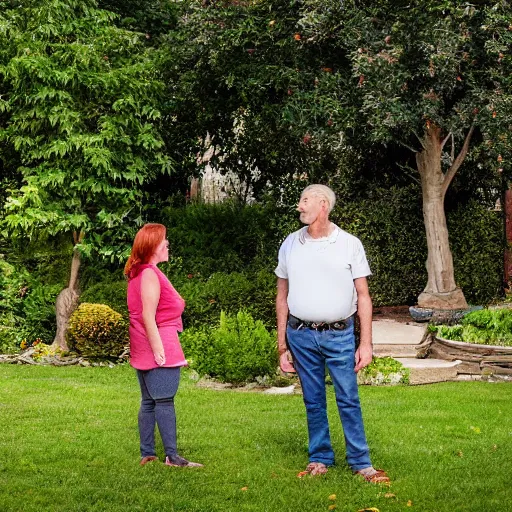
point(428, 371)
point(411, 362)
point(389, 332)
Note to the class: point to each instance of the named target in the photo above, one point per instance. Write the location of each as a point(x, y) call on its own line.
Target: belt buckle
point(341, 325)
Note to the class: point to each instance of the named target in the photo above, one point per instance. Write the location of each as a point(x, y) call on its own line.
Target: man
point(321, 285)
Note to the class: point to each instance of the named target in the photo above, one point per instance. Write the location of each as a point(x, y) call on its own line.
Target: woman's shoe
point(180, 462)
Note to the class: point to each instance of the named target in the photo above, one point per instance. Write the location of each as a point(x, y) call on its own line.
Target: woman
point(155, 352)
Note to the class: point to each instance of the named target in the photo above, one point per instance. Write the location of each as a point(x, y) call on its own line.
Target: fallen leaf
point(332, 497)
point(389, 495)
point(476, 430)
point(494, 448)
point(332, 507)
point(409, 503)
point(244, 488)
point(371, 509)
point(460, 454)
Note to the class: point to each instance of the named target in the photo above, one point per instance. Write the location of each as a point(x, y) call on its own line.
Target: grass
point(69, 442)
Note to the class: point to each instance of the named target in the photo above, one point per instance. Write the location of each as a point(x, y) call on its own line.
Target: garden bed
point(482, 341)
point(476, 358)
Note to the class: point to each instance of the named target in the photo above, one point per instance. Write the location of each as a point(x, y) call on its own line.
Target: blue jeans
point(158, 388)
point(312, 350)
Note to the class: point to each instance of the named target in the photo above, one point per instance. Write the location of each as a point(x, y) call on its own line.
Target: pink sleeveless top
point(168, 320)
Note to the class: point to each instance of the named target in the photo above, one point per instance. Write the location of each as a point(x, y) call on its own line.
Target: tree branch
point(407, 146)
point(448, 177)
point(445, 139)
point(410, 171)
point(420, 139)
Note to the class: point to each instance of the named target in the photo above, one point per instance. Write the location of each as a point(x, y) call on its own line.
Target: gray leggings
point(158, 388)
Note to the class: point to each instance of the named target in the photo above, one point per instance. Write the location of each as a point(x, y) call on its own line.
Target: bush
point(27, 308)
point(476, 235)
point(112, 294)
point(212, 237)
point(39, 312)
point(205, 299)
point(238, 350)
point(97, 331)
point(384, 370)
point(485, 327)
point(13, 287)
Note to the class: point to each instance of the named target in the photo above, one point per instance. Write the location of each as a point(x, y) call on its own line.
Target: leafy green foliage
point(477, 245)
point(253, 292)
point(237, 350)
point(153, 17)
point(225, 236)
point(384, 370)
point(13, 286)
point(112, 294)
point(97, 331)
point(39, 312)
point(81, 112)
point(485, 327)
point(290, 88)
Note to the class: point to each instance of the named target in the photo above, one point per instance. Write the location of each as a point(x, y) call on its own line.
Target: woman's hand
point(160, 357)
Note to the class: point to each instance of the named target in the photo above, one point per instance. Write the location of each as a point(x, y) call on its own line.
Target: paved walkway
point(389, 332)
point(399, 340)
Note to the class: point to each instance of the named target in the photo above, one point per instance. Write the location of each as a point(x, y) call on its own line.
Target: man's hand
point(285, 364)
point(364, 355)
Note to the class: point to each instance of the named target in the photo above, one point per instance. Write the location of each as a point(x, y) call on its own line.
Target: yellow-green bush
point(97, 331)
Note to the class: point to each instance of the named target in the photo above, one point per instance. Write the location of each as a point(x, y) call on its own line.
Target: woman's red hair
point(145, 244)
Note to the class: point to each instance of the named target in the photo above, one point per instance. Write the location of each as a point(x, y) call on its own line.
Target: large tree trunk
point(441, 291)
point(67, 300)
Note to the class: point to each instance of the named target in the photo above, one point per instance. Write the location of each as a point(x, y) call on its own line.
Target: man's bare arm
point(364, 353)
point(282, 313)
point(282, 321)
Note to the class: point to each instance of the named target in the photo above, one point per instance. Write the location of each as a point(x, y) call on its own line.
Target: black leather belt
point(297, 323)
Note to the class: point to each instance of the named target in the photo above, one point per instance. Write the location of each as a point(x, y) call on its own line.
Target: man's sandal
point(148, 458)
point(377, 476)
point(314, 469)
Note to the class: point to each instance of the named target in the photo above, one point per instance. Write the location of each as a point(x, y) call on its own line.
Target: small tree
point(80, 111)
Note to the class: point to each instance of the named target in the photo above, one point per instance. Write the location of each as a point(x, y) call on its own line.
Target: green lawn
point(69, 442)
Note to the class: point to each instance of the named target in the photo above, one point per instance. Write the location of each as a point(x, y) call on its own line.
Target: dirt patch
point(397, 313)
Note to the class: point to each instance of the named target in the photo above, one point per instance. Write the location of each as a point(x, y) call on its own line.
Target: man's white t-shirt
point(321, 273)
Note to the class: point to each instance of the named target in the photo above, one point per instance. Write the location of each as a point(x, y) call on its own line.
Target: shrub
point(27, 308)
point(225, 236)
point(39, 312)
point(384, 370)
point(485, 327)
point(205, 299)
point(13, 286)
point(476, 236)
point(97, 331)
point(239, 349)
point(112, 294)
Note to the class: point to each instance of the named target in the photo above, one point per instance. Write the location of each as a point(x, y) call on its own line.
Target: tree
point(231, 67)
point(434, 76)
point(80, 111)
point(314, 77)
